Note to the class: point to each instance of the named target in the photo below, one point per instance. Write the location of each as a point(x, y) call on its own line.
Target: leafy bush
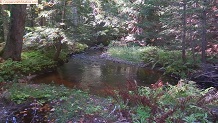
point(40, 37)
point(32, 62)
point(8, 70)
point(78, 47)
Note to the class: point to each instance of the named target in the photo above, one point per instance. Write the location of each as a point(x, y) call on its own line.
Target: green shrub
point(32, 62)
point(78, 47)
point(9, 69)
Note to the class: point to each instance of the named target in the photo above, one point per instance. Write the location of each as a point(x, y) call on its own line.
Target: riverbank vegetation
point(36, 61)
point(154, 57)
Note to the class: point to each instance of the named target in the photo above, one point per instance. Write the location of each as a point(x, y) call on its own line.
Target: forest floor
point(78, 107)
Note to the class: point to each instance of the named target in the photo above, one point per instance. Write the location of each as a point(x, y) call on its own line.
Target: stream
point(93, 72)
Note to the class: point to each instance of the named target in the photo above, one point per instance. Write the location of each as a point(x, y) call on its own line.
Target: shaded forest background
point(186, 25)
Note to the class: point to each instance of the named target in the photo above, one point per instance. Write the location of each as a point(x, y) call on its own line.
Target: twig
point(112, 111)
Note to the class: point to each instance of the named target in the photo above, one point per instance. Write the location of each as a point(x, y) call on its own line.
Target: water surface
point(88, 71)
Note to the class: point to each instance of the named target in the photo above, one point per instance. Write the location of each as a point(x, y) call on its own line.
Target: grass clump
point(127, 53)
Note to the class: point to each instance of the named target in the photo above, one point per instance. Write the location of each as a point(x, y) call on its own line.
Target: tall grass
point(170, 61)
point(133, 54)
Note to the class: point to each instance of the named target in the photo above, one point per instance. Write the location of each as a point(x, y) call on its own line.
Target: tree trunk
point(192, 46)
point(33, 15)
point(5, 21)
point(184, 32)
point(191, 37)
point(204, 41)
point(58, 45)
point(13, 47)
point(42, 21)
point(75, 14)
point(63, 17)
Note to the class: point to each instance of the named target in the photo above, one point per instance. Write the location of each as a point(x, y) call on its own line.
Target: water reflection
point(90, 72)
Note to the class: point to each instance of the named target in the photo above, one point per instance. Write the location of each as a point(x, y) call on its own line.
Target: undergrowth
point(167, 103)
point(72, 104)
point(158, 103)
point(81, 105)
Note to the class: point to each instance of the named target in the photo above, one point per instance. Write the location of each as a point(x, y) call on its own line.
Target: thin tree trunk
point(192, 46)
point(75, 14)
point(63, 18)
point(13, 47)
point(58, 46)
point(204, 41)
point(191, 38)
point(32, 11)
point(184, 32)
point(5, 21)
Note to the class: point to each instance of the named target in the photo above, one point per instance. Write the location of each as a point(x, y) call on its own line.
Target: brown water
point(88, 71)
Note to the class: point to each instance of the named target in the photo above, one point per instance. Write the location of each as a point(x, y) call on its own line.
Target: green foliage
point(127, 53)
point(142, 113)
point(81, 104)
point(78, 47)
point(44, 39)
point(35, 61)
point(166, 103)
point(40, 37)
point(32, 62)
point(71, 103)
point(171, 61)
point(8, 70)
point(22, 92)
